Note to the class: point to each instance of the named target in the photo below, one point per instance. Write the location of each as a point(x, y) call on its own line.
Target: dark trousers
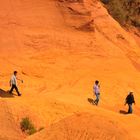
point(97, 98)
point(14, 87)
point(130, 110)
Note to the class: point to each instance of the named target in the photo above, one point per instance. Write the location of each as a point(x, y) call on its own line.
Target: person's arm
point(126, 101)
point(94, 89)
point(19, 80)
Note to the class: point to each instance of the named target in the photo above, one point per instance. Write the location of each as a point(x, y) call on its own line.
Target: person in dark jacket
point(130, 100)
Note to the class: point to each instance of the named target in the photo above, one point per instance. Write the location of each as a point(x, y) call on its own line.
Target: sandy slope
point(85, 126)
point(59, 52)
point(9, 129)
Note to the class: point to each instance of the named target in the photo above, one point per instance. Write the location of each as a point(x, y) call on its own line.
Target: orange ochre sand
point(59, 48)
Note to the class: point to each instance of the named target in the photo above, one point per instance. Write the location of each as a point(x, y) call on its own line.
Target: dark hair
point(131, 92)
point(96, 82)
point(15, 72)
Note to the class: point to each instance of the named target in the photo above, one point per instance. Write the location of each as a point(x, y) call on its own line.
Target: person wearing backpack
point(13, 83)
point(130, 100)
point(96, 90)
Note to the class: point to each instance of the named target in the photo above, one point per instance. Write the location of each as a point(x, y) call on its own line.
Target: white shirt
point(96, 89)
point(13, 80)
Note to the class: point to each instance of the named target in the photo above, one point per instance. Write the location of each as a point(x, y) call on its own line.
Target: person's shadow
point(123, 112)
point(5, 94)
point(91, 101)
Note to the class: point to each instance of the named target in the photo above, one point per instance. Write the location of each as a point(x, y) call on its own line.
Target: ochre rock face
point(59, 49)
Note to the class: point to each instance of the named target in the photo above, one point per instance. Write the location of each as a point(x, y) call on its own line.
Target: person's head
point(15, 73)
point(96, 82)
point(130, 93)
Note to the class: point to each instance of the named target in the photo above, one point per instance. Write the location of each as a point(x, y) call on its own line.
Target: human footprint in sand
point(13, 83)
point(96, 90)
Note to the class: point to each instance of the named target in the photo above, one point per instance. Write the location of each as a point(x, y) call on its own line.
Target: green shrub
point(31, 131)
point(27, 126)
point(126, 12)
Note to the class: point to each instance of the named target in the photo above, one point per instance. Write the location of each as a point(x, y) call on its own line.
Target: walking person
point(130, 100)
point(96, 90)
point(13, 83)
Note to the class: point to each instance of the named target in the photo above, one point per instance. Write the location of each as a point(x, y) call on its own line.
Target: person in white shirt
point(13, 83)
point(96, 90)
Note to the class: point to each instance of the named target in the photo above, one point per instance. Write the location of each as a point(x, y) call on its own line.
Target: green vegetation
point(126, 12)
point(27, 126)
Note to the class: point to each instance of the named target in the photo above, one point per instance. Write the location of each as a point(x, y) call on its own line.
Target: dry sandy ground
point(59, 49)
